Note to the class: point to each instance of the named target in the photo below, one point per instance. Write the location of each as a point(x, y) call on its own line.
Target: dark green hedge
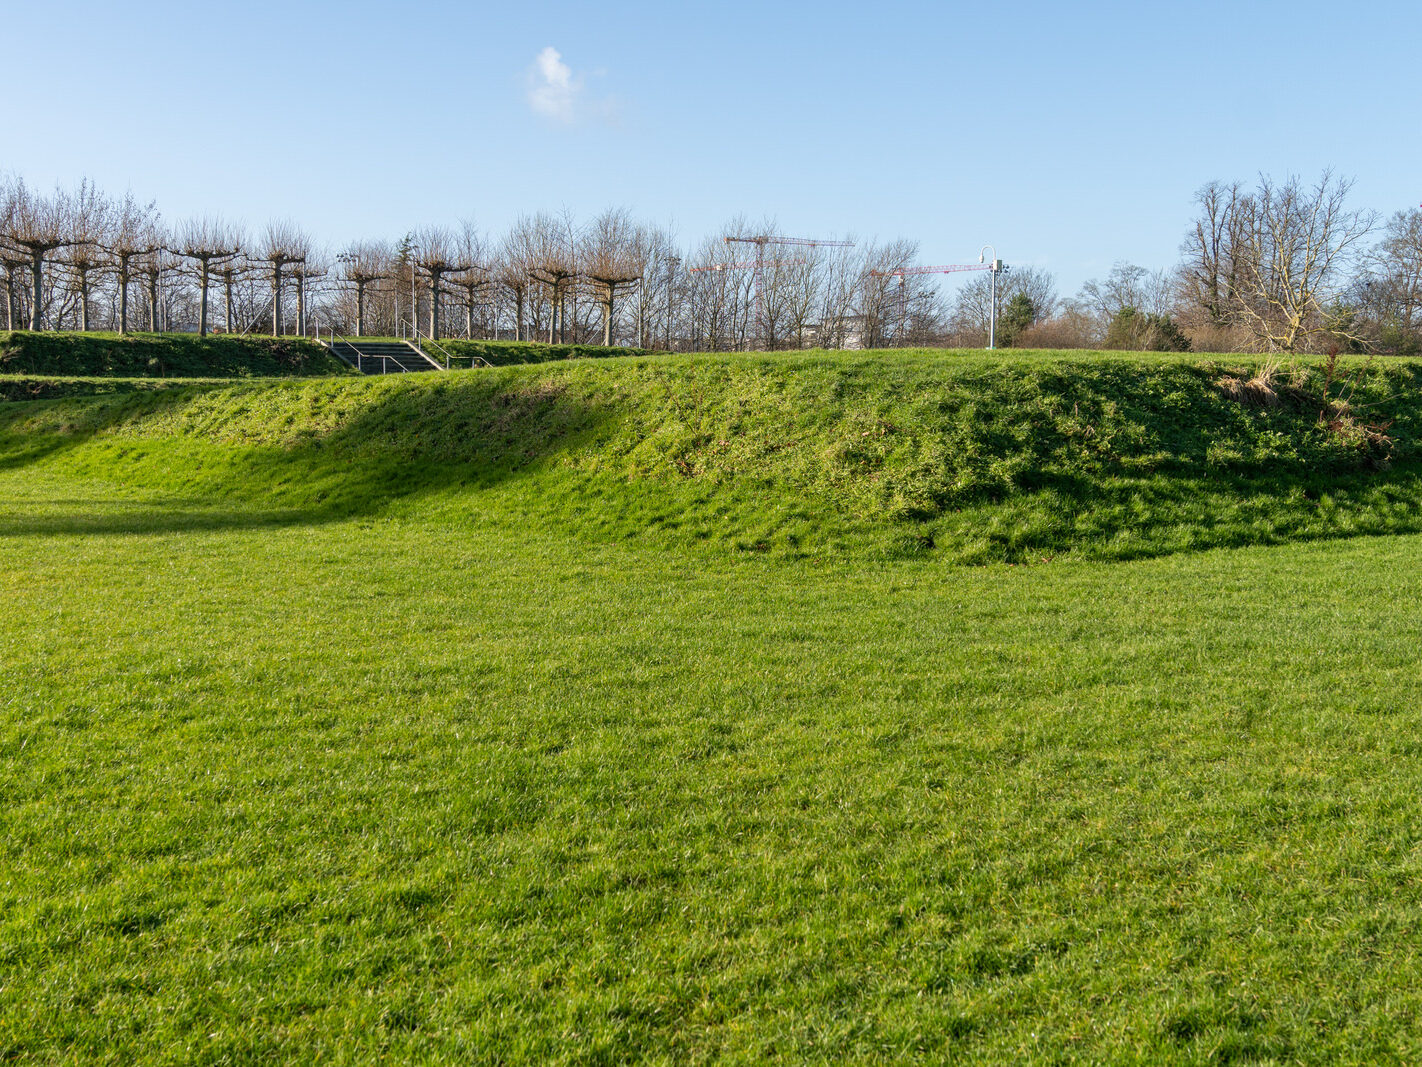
point(168, 355)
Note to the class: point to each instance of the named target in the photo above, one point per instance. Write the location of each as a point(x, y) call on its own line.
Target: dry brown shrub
point(1258, 391)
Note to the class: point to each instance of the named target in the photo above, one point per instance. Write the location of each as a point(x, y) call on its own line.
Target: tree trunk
point(553, 316)
point(227, 314)
point(469, 320)
point(301, 304)
point(276, 300)
point(153, 323)
point(202, 300)
point(84, 301)
point(607, 320)
point(123, 299)
point(434, 305)
point(37, 275)
point(360, 309)
point(518, 315)
point(9, 301)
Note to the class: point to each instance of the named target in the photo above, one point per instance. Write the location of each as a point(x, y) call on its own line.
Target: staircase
point(382, 357)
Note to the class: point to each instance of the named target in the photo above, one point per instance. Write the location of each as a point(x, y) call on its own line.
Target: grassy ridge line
point(974, 458)
point(168, 355)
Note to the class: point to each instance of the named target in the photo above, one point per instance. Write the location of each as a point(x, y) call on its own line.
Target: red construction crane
point(760, 241)
point(949, 269)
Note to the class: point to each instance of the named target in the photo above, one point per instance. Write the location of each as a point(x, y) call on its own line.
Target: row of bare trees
point(1278, 266)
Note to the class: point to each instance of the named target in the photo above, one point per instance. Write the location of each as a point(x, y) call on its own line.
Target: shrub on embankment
point(163, 355)
point(970, 458)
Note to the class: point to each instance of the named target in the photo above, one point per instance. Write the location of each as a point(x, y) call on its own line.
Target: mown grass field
point(324, 739)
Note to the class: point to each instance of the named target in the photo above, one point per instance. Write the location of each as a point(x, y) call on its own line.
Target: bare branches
point(437, 254)
point(1273, 260)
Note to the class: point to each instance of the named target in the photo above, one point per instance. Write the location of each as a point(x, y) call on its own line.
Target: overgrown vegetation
point(167, 355)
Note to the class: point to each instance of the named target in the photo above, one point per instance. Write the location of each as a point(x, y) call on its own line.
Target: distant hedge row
point(182, 355)
point(167, 355)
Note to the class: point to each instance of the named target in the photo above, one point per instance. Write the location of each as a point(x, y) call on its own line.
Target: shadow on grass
point(87, 518)
point(408, 441)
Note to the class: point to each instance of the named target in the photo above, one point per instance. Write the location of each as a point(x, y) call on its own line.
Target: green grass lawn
point(438, 778)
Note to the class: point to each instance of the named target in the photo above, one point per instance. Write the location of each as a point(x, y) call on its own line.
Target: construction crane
point(995, 265)
point(759, 264)
point(949, 269)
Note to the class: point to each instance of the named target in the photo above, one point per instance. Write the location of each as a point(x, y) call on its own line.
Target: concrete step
point(382, 357)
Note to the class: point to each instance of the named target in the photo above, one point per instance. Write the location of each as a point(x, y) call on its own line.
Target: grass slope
point(964, 458)
point(276, 786)
point(167, 355)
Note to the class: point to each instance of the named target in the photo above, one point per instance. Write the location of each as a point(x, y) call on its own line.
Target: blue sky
point(1067, 135)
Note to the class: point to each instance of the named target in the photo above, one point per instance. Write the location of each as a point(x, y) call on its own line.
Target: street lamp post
point(992, 306)
point(672, 263)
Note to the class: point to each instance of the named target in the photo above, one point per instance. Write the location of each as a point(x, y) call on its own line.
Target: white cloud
point(553, 92)
point(556, 93)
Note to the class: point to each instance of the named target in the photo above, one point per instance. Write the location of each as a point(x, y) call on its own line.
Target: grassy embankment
point(358, 719)
point(971, 458)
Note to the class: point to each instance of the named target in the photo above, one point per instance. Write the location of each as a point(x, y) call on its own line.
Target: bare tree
point(1281, 257)
point(283, 245)
point(1209, 274)
point(153, 268)
point(1391, 287)
point(208, 242)
point(38, 225)
point(229, 273)
point(136, 234)
point(13, 260)
point(364, 263)
point(437, 254)
point(552, 262)
point(474, 283)
point(612, 260)
point(1128, 286)
point(311, 268)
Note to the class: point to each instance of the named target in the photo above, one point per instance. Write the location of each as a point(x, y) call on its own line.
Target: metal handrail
point(421, 336)
point(354, 342)
point(417, 345)
point(258, 318)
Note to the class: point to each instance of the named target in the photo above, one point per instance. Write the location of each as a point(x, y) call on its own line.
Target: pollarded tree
point(305, 271)
point(37, 226)
point(474, 284)
point(90, 220)
point(612, 260)
point(282, 245)
point(153, 268)
point(552, 260)
point(209, 242)
point(11, 259)
point(514, 271)
point(437, 253)
point(135, 235)
point(362, 264)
